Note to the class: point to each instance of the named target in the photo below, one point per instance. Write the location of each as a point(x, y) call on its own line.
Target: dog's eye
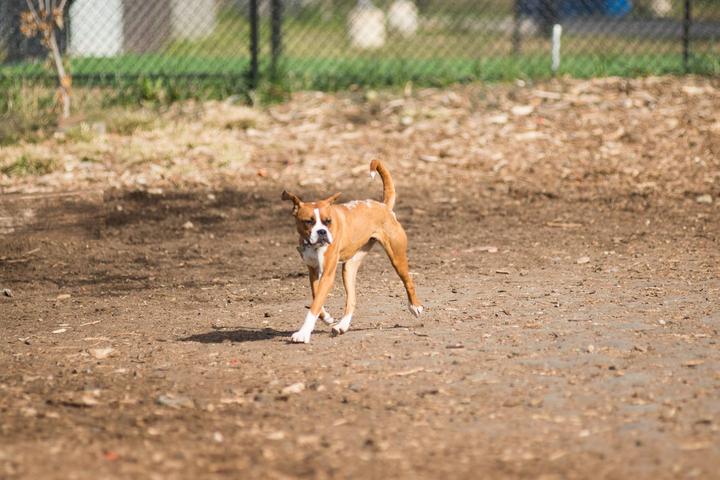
point(328, 221)
point(309, 221)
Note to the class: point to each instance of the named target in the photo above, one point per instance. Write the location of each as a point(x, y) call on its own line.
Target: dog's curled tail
point(388, 186)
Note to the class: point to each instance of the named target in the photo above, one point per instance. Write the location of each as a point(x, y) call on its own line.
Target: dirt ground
point(563, 237)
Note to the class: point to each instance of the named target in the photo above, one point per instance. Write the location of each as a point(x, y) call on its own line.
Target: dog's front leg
point(324, 314)
point(324, 285)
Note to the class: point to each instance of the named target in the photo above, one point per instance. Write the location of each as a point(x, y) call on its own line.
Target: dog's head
point(314, 220)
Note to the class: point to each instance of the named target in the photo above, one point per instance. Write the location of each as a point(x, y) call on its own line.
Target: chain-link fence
point(327, 44)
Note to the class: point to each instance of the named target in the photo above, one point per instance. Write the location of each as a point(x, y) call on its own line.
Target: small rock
point(188, 225)
point(590, 348)
point(111, 456)
point(522, 110)
point(294, 388)
point(304, 440)
point(7, 292)
point(218, 437)
point(582, 260)
point(63, 296)
point(279, 435)
point(498, 119)
point(89, 399)
point(173, 401)
point(704, 199)
point(693, 363)
point(101, 353)
point(60, 330)
point(692, 90)
point(28, 412)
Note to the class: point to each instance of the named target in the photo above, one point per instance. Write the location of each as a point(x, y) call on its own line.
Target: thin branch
point(34, 12)
point(62, 5)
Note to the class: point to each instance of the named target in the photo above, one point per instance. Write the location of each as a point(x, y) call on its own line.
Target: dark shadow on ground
point(242, 334)
point(238, 335)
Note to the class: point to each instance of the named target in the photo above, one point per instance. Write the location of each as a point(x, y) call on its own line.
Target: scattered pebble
point(582, 260)
point(101, 353)
point(279, 435)
point(522, 110)
point(294, 388)
point(7, 292)
point(170, 400)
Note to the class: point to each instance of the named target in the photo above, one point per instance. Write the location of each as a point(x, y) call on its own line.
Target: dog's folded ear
point(290, 196)
point(295, 199)
point(331, 199)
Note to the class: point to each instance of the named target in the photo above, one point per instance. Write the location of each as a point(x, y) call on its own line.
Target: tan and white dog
point(343, 234)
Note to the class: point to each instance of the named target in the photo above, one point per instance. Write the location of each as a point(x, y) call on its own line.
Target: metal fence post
point(687, 20)
point(254, 43)
point(516, 28)
point(276, 35)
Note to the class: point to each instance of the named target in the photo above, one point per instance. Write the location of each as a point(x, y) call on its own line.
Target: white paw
point(301, 336)
point(342, 326)
point(416, 310)
point(328, 320)
point(338, 330)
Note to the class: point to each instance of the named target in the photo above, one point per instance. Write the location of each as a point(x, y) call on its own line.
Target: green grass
point(152, 73)
point(328, 74)
point(26, 165)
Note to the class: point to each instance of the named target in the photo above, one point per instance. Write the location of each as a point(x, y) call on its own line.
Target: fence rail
point(329, 44)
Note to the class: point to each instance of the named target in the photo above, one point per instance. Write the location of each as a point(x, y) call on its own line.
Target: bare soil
point(570, 275)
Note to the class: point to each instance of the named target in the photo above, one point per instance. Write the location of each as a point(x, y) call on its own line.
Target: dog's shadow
point(246, 334)
point(237, 335)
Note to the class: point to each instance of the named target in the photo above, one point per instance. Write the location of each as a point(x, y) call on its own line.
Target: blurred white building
point(104, 28)
point(403, 17)
point(366, 26)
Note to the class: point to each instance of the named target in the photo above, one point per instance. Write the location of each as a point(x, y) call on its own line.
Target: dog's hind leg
point(394, 241)
point(349, 274)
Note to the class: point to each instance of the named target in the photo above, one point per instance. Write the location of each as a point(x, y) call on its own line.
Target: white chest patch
point(314, 257)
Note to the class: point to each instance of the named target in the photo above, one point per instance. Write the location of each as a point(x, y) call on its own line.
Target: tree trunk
point(63, 77)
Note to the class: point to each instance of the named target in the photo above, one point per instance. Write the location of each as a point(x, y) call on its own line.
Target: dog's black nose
point(322, 232)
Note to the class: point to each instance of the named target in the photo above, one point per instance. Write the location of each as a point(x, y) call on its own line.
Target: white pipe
point(556, 34)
